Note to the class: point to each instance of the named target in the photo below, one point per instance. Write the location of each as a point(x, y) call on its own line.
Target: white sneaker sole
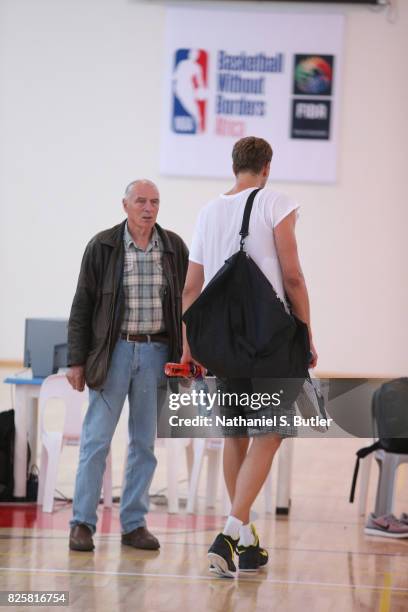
point(220, 566)
point(384, 534)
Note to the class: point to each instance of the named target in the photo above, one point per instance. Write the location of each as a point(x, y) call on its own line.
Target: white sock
point(246, 535)
point(232, 527)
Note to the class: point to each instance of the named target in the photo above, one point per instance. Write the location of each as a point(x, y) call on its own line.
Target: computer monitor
point(45, 345)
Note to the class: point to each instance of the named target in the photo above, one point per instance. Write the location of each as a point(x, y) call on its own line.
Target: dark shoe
point(221, 556)
point(141, 538)
point(251, 558)
point(80, 538)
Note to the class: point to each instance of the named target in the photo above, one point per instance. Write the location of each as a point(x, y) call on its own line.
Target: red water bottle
point(183, 370)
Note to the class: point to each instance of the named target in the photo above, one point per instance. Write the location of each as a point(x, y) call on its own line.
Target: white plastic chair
point(212, 448)
point(58, 387)
point(175, 449)
point(388, 464)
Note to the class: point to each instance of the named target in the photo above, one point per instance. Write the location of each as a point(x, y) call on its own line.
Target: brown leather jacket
point(98, 305)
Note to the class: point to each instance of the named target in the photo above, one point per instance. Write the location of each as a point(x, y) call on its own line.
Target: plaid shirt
point(144, 285)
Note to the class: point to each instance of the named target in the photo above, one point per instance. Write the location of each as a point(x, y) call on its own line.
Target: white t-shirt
point(216, 235)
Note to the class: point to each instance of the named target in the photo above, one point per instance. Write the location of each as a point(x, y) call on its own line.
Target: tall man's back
point(272, 245)
point(125, 323)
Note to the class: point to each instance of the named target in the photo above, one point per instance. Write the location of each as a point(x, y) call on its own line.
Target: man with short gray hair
point(125, 323)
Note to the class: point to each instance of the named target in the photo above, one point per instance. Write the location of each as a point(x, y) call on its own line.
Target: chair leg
point(225, 500)
point(190, 459)
point(107, 482)
point(388, 464)
point(125, 467)
point(42, 475)
point(268, 493)
point(284, 477)
point(213, 468)
point(199, 446)
point(364, 483)
point(172, 451)
point(54, 451)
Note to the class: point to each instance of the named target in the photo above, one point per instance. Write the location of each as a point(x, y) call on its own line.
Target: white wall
point(80, 106)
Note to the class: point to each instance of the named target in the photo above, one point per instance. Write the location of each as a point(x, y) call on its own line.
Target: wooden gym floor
point(320, 559)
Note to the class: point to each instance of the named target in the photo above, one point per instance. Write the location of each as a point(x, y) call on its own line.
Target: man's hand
point(76, 377)
point(314, 357)
point(192, 289)
point(186, 356)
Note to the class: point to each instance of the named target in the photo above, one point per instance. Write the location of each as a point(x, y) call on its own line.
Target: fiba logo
point(312, 96)
point(189, 89)
point(313, 75)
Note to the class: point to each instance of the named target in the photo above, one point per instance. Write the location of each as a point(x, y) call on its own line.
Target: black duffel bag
point(7, 437)
point(239, 327)
point(7, 433)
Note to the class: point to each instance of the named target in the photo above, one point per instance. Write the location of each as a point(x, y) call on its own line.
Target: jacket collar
point(114, 236)
point(167, 245)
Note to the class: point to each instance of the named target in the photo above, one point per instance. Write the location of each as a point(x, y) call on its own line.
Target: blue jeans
point(136, 369)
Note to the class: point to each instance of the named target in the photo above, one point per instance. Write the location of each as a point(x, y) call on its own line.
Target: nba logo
point(189, 85)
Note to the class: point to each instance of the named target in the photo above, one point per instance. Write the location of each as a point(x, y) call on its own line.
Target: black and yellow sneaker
point(251, 558)
point(221, 556)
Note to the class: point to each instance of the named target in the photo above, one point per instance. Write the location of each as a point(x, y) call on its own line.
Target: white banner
point(231, 73)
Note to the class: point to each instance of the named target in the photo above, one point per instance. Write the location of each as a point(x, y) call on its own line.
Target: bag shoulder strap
point(245, 220)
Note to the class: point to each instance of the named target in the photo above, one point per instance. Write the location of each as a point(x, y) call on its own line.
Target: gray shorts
point(272, 420)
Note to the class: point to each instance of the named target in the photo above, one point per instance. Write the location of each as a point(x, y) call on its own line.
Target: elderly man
point(125, 323)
